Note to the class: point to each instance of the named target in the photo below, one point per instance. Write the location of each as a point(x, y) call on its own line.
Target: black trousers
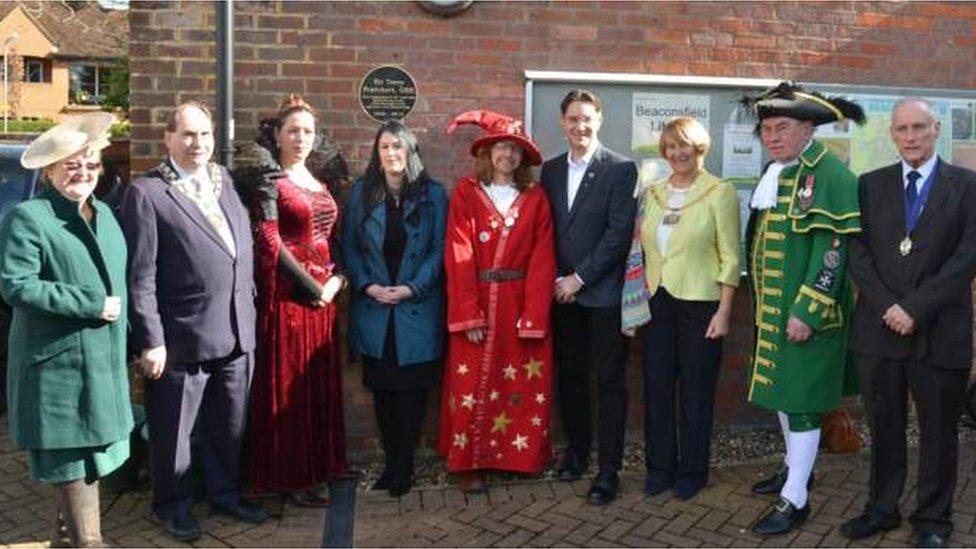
point(217, 391)
point(588, 339)
point(938, 394)
point(680, 373)
point(400, 416)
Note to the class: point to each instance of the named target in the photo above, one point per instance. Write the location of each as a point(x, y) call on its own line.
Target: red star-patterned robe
point(495, 407)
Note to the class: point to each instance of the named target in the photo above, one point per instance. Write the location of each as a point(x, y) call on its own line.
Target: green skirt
point(68, 464)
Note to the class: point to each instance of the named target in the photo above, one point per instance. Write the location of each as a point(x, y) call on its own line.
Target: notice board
point(636, 105)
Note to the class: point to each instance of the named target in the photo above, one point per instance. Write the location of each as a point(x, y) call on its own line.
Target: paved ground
point(525, 513)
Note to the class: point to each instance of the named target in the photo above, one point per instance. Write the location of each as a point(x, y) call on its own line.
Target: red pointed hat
point(498, 127)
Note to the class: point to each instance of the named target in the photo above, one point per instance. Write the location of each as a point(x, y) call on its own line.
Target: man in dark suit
point(192, 319)
point(914, 263)
point(590, 190)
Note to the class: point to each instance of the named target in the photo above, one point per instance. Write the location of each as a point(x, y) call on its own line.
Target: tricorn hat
point(792, 101)
point(74, 134)
point(498, 127)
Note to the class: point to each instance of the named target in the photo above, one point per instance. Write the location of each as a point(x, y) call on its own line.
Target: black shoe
point(182, 527)
point(774, 484)
point(932, 539)
point(654, 485)
point(604, 487)
point(571, 466)
point(783, 517)
point(869, 523)
point(686, 488)
point(242, 511)
point(382, 483)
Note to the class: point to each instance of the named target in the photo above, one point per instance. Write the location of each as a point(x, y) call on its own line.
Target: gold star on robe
point(460, 440)
point(462, 369)
point(540, 398)
point(533, 368)
point(467, 401)
point(500, 423)
point(509, 372)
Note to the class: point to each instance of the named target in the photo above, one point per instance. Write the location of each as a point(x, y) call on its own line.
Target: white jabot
point(764, 197)
point(502, 196)
point(576, 171)
point(924, 170)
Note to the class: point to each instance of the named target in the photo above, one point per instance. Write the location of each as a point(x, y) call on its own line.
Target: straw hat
point(67, 138)
point(498, 127)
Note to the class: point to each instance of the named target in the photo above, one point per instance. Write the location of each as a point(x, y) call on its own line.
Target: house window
point(36, 70)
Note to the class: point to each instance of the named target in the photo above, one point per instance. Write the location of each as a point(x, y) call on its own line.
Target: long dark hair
point(414, 176)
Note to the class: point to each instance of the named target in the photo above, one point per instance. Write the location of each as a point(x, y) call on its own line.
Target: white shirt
point(200, 182)
point(502, 196)
point(925, 170)
point(676, 201)
point(576, 171)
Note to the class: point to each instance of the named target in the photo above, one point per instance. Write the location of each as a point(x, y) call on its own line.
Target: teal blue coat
point(419, 321)
point(67, 385)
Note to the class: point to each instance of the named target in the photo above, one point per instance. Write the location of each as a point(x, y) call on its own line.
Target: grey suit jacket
point(593, 238)
point(186, 290)
point(932, 283)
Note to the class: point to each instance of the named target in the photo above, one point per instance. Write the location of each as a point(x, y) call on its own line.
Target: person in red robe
point(500, 263)
point(297, 440)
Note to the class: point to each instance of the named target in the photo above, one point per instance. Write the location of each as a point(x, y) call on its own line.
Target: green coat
point(799, 268)
point(66, 373)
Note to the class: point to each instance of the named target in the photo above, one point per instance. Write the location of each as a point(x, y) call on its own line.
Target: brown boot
point(81, 511)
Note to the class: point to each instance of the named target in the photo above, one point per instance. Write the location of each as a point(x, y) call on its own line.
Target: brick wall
point(477, 59)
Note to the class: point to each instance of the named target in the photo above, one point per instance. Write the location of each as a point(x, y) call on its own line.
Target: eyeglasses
point(77, 166)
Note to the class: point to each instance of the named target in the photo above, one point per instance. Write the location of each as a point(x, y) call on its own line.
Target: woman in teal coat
point(62, 270)
point(393, 241)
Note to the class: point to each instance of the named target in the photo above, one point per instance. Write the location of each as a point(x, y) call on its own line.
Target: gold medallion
point(671, 219)
point(905, 247)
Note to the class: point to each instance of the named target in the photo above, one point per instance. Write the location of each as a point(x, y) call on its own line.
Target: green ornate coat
point(66, 380)
point(799, 268)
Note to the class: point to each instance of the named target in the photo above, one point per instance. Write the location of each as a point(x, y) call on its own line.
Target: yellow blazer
point(703, 248)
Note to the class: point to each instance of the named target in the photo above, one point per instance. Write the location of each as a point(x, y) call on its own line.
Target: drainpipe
point(225, 82)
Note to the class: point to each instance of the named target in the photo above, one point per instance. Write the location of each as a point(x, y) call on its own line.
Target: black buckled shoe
point(242, 511)
point(774, 484)
point(782, 518)
point(571, 466)
point(182, 527)
point(932, 539)
point(604, 487)
point(869, 523)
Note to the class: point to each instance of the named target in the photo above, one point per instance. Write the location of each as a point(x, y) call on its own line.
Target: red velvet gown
point(297, 436)
point(497, 395)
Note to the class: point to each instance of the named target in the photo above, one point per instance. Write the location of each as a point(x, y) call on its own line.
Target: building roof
point(79, 29)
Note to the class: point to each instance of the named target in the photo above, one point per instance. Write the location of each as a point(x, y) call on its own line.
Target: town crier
point(500, 264)
point(806, 206)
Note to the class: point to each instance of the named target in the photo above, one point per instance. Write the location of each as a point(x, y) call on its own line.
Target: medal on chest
point(671, 218)
point(504, 224)
point(905, 246)
point(805, 194)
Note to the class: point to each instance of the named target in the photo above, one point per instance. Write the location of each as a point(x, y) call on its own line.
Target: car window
point(16, 184)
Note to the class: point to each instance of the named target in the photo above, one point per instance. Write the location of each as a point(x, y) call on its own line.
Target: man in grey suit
point(590, 189)
point(192, 320)
point(912, 327)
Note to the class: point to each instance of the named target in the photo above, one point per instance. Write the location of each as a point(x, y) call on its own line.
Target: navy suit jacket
point(932, 283)
point(186, 290)
point(593, 238)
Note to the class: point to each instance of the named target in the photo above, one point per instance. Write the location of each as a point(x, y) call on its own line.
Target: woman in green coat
point(62, 270)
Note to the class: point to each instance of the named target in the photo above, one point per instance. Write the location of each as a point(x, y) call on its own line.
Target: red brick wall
point(477, 59)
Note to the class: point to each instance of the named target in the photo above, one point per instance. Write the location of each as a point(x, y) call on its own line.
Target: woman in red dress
point(297, 436)
point(500, 265)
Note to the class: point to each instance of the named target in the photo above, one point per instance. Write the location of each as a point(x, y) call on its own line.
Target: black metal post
point(225, 82)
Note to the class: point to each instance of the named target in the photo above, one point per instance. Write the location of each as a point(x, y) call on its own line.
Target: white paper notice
point(741, 152)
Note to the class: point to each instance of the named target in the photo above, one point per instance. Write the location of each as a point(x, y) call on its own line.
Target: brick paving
point(531, 512)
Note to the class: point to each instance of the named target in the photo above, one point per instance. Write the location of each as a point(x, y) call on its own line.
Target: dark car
point(16, 185)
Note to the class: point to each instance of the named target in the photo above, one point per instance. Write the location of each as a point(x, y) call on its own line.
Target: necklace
point(675, 203)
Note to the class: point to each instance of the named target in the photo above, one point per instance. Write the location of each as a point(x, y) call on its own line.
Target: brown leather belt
point(499, 275)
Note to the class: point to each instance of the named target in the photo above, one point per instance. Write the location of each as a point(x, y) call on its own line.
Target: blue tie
point(911, 190)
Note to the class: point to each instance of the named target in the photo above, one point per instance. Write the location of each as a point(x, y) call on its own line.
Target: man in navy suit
point(192, 319)
point(590, 189)
point(912, 328)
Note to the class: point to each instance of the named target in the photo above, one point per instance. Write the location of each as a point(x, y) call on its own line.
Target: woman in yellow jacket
point(683, 271)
